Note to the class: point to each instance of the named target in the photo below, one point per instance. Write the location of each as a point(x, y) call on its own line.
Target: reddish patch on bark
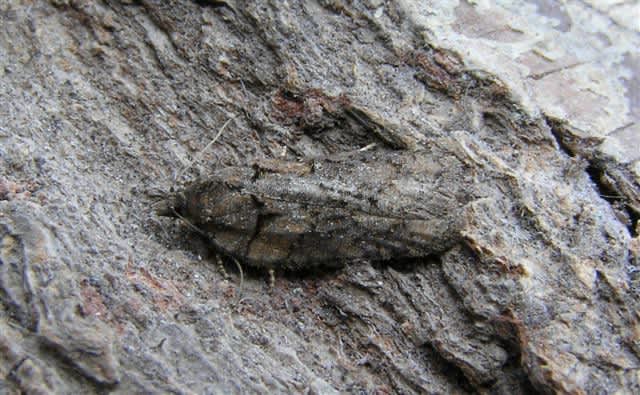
point(288, 106)
point(92, 302)
point(439, 70)
point(229, 291)
point(164, 293)
point(310, 109)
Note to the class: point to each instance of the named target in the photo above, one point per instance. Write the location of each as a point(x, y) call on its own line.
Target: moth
point(328, 211)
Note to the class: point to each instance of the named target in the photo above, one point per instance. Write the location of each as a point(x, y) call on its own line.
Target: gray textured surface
point(104, 106)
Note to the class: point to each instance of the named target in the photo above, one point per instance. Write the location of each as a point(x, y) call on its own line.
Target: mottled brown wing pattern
point(374, 206)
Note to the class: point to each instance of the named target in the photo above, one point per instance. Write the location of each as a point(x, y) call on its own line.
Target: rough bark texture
point(108, 107)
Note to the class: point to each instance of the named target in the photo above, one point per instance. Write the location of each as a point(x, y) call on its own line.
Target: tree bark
point(519, 274)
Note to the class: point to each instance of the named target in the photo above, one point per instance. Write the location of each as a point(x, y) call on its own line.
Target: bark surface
point(433, 229)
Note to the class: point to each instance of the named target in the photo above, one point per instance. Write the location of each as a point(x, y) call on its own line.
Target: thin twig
point(367, 147)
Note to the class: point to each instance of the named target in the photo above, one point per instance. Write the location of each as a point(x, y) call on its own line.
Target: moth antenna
point(189, 224)
point(197, 156)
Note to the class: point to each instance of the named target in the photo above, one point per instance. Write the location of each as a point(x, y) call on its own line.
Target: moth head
point(174, 205)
